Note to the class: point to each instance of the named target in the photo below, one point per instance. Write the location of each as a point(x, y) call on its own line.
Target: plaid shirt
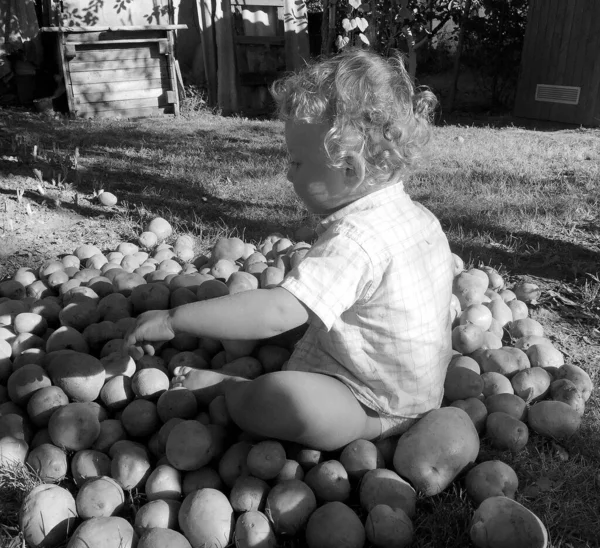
point(378, 281)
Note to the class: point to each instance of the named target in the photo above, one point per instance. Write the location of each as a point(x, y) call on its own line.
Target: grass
point(520, 199)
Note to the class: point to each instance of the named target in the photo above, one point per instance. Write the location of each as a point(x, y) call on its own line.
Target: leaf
point(406, 14)
point(341, 41)
point(346, 25)
point(364, 39)
point(362, 24)
point(355, 3)
point(365, 8)
point(353, 23)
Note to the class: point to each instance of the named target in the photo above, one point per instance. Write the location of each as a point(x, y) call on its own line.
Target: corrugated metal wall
point(562, 48)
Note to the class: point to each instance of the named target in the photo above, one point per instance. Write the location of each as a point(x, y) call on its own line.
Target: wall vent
point(568, 95)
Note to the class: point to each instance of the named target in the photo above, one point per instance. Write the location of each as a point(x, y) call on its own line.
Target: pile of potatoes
point(127, 460)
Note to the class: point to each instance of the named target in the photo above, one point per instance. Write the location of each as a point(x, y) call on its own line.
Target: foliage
point(493, 44)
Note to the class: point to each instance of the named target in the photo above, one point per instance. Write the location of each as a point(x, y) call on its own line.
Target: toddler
point(374, 288)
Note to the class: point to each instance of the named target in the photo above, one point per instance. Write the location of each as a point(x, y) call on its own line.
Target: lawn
point(525, 201)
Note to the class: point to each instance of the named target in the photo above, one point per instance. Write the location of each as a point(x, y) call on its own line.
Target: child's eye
point(293, 164)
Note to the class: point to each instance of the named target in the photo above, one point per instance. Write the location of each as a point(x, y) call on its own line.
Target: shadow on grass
point(154, 190)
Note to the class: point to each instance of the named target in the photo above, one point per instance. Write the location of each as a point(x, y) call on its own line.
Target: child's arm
point(249, 315)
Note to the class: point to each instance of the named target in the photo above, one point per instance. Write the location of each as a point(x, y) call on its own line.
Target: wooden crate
point(122, 72)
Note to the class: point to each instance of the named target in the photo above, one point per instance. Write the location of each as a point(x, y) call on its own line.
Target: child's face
point(323, 189)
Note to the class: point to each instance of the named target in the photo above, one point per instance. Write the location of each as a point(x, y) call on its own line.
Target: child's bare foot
point(206, 384)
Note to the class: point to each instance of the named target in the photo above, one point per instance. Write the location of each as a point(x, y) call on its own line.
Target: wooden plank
point(116, 54)
point(591, 88)
point(173, 73)
point(117, 35)
point(227, 85)
point(66, 73)
point(557, 40)
point(127, 85)
point(209, 47)
point(148, 112)
point(125, 104)
point(100, 28)
point(524, 88)
point(269, 3)
point(77, 66)
point(295, 19)
point(149, 41)
point(99, 76)
point(83, 98)
point(259, 40)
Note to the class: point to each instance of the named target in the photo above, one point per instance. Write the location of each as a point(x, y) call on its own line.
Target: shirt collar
point(370, 201)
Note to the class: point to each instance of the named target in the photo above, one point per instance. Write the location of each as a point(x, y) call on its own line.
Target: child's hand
point(151, 326)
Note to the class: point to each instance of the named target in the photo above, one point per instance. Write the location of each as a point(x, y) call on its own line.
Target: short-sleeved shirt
point(378, 282)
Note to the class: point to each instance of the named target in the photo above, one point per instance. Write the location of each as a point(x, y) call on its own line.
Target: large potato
point(334, 525)
point(489, 479)
point(104, 532)
point(253, 530)
point(500, 522)
point(383, 486)
point(47, 516)
point(578, 377)
point(554, 419)
point(289, 505)
point(206, 519)
point(432, 452)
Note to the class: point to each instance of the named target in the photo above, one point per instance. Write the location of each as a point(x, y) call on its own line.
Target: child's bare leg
point(315, 410)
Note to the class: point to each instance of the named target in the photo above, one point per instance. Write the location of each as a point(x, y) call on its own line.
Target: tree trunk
point(459, 47)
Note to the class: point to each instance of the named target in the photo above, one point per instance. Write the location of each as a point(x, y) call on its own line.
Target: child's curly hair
point(377, 116)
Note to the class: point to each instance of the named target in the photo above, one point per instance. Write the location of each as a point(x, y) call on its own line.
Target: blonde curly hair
point(379, 120)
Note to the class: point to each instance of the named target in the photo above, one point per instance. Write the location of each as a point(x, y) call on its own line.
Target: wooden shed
point(560, 68)
point(121, 59)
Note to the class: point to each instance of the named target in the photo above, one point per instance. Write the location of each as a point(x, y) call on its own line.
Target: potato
point(233, 463)
point(47, 515)
point(104, 532)
point(163, 483)
point(489, 479)
point(253, 530)
point(329, 481)
point(360, 456)
point(13, 450)
point(289, 505)
point(291, 470)
point(384, 486)
point(26, 380)
point(79, 375)
point(476, 410)
point(203, 477)
point(48, 462)
point(464, 361)
point(266, 459)
point(496, 383)
point(462, 383)
point(334, 525)
point(161, 538)
point(432, 452)
point(89, 463)
point(505, 432)
point(524, 327)
point(498, 360)
point(189, 446)
point(545, 355)
point(554, 419)
point(578, 377)
point(500, 522)
point(74, 426)
point(99, 497)
point(158, 514)
point(511, 404)
point(565, 390)
point(206, 518)
point(531, 384)
point(248, 494)
point(130, 465)
point(388, 527)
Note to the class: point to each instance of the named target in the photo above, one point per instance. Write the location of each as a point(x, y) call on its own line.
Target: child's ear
point(355, 172)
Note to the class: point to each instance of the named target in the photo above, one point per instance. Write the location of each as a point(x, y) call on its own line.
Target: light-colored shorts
point(394, 426)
